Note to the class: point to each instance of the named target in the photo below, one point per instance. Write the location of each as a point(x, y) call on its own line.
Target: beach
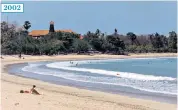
point(55, 97)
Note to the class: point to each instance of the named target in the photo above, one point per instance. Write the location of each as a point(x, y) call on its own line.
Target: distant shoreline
point(94, 56)
point(11, 84)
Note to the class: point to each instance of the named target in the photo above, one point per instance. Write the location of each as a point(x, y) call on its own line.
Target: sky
point(139, 17)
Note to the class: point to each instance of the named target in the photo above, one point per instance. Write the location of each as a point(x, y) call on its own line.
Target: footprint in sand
point(16, 104)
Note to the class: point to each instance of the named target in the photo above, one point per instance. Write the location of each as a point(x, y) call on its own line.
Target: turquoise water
point(147, 77)
point(157, 66)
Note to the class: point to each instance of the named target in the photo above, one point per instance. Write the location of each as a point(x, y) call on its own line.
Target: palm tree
point(131, 36)
point(27, 25)
point(172, 40)
point(115, 31)
point(98, 32)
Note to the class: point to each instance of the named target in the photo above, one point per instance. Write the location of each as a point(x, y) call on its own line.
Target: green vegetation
point(17, 41)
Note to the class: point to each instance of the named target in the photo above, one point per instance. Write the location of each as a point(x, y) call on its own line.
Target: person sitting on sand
point(32, 91)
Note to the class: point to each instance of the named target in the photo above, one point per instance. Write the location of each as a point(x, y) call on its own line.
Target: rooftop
point(34, 33)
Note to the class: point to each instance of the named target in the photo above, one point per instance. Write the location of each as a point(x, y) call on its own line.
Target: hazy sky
point(138, 17)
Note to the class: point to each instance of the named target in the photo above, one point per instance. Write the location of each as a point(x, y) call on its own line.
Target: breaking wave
point(149, 83)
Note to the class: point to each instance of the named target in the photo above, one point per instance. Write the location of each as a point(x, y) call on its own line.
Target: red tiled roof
point(45, 32)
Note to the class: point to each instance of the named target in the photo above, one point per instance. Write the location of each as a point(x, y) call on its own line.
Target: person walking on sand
point(20, 56)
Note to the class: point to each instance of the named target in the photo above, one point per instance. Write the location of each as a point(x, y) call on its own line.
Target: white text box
point(12, 8)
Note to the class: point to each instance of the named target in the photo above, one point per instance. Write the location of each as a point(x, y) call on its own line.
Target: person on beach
point(20, 56)
point(32, 91)
point(22, 91)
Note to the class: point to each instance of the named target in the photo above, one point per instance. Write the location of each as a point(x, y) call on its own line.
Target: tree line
point(17, 41)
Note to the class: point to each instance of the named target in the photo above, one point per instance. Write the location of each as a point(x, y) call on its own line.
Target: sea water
point(141, 77)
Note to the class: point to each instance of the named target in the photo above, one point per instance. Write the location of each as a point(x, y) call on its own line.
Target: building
point(41, 33)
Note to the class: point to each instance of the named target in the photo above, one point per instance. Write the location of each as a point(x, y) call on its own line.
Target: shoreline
point(95, 98)
point(165, 98)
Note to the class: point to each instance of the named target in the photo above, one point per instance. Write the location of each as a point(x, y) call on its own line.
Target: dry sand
point(57, 97)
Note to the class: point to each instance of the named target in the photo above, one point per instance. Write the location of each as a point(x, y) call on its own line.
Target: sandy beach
point(57, 97)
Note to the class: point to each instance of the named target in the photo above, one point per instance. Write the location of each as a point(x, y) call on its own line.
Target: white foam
point(66, 66)
point(149, 83)
point(101, 80)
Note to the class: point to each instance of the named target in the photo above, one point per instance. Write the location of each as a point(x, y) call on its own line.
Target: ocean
point(150, 78)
